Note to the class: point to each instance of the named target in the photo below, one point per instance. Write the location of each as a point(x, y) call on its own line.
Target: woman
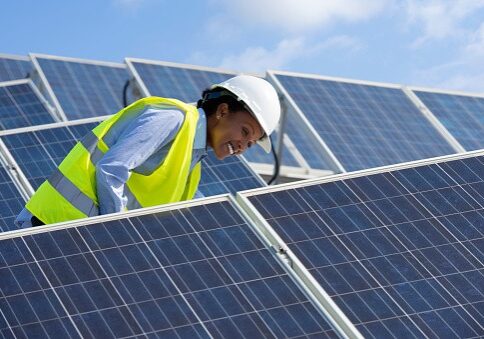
point(149, 153)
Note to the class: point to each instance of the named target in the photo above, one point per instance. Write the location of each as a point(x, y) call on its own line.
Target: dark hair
point(211, 98)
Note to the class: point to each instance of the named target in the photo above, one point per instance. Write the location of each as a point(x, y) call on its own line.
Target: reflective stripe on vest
point(73, 194)
point(70, 193)
point(90, 141)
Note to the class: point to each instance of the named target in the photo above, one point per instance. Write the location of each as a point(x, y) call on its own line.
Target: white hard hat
point(261, 99)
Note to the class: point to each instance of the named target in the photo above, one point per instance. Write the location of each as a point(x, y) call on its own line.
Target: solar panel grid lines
point(459, 113)
point(174, 80)
point(396, 258)
point(14, 67)
point(21, 104)
point(222, 287)
point(12, 194)
point(317, 149)
point(396, 131)
point(82, 88)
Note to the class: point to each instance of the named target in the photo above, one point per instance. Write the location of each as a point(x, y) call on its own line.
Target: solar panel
point(14, 67)
point(461, 115)
point(364, 125)
point(170, 80)
point(400, 251)
point(11, 201)
point(39, 151)
point(21, 105)
point(196, 271)
point(80, 88)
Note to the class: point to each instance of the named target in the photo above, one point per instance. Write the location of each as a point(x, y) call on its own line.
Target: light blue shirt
point(138, 143)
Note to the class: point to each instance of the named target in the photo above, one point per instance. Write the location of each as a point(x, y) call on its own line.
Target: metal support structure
point(280, 136)
point(328, 308)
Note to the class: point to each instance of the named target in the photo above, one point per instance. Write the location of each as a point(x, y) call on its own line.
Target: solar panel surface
point(12, 68)
point(11, 201)
point(183, 83)
point(38, 153)
point(400, 252)
point(20, 106)
point(83, 89)
point(198, 271)
point(365, 125)
point(462, 116)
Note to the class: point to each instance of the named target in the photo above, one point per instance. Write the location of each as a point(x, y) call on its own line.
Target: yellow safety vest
point(70, 192)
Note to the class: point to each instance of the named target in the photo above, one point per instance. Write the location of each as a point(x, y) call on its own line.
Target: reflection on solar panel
point(461, 115)
point(21, 106)
point(198, 271)
point(11, 202)
point(39, 151)
point(174, 81)
point(82, 89)
point(364, 125)
point(14, 67)
point(400, 252)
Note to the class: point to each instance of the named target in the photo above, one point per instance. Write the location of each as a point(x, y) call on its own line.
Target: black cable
point(276, 164)
point(125, 93)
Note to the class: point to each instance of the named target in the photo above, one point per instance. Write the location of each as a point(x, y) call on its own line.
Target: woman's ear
point(222, 110)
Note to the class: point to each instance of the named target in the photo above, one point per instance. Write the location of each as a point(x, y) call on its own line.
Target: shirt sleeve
point(151, 130)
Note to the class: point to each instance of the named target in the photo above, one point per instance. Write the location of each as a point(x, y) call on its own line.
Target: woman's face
point(231, 132)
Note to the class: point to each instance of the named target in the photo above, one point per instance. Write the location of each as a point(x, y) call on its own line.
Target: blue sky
point(432, 43)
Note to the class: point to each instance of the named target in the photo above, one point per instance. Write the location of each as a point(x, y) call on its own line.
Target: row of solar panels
point(331, 124)
point(395, 252)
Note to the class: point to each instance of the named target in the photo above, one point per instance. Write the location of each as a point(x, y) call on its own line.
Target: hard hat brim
point(265, 143)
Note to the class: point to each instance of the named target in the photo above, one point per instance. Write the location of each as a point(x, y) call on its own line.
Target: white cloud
point(129, 4)
point(301, 15)
point(475, 48)
point(259, 59)
point(440, 19)
point(465, 73)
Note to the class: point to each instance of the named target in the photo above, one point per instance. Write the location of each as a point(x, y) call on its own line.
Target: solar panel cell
point(12, 68)
point(20, 106)
point(11, 201)
point(399, 252)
